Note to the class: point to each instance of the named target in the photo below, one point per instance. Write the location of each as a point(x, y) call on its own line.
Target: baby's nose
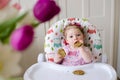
point(75, 37)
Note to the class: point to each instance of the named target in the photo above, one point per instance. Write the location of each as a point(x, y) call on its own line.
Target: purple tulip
point(21, 38)
point(44, 10)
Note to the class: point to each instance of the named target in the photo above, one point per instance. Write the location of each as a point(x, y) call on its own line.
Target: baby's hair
point(70, 26)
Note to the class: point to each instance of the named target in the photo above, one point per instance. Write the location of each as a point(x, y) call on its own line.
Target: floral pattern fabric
point(54, 38)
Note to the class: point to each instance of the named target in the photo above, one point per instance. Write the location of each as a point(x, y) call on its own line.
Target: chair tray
point(51, 71)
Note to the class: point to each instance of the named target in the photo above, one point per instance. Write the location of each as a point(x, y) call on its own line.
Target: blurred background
point(105, 14)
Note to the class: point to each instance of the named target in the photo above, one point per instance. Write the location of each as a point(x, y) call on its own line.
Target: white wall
point(117, 38)
point(118, 60)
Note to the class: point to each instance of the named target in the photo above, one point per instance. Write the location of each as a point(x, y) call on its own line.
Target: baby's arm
point(86, 54)
point(59, 56)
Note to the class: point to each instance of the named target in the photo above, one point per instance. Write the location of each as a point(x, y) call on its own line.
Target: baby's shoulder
point(66, 48)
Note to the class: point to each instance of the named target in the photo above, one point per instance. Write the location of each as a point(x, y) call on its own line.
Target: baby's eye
point(71, 36)
point(78, 34)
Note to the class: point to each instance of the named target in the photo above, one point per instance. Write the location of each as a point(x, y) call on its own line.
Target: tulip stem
point(10, 22)
point(35, 24)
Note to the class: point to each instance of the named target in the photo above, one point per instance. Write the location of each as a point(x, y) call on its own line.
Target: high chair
point(46, 69)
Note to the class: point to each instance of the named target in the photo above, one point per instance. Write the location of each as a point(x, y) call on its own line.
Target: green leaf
point(7, 27)
point(7, 31)
point(11, 22)
point(5, 41)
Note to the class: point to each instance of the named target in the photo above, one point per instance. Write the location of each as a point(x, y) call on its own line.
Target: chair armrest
point(41, 57)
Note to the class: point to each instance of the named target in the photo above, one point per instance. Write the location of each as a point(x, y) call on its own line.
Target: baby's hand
point(81, 48)
point(59, 56)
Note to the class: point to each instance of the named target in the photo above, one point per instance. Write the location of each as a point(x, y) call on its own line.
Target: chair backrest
point(54, 38)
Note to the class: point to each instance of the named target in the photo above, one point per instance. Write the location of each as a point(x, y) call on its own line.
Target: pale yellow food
point(78, 72)
point(61, 52)
point(78, 44)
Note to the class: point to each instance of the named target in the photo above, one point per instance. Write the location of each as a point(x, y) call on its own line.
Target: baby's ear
point(65, 42)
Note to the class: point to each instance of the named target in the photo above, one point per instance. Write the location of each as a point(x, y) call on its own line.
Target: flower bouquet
point(17, 31)
point(22, 37)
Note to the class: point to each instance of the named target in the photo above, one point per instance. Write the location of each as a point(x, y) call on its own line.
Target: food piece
point(78, 44)
point(61, 52)
point(78, 72)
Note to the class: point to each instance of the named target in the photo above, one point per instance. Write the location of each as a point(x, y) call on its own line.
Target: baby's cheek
point(71, 42)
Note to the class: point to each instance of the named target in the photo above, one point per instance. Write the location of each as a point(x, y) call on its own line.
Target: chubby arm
point(59, 56)
point(86, 54)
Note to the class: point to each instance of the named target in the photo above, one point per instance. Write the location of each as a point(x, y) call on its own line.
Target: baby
point(75, 53)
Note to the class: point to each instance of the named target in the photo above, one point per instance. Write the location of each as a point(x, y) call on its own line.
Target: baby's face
point(74, 35)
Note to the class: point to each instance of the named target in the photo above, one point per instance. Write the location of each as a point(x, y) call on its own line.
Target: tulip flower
point(44, 10)
point(3, 3)
point(22, 37)
point(6, 27)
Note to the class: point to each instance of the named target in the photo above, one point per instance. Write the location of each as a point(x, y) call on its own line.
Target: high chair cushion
point(54, 38)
